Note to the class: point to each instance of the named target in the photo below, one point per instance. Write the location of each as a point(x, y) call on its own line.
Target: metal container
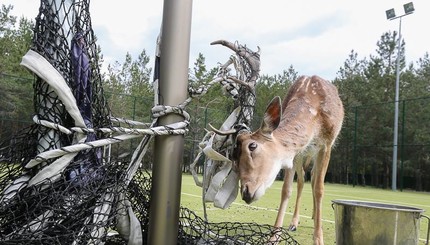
point(368, 223)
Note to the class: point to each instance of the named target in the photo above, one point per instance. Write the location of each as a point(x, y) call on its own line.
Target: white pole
point(396, 110)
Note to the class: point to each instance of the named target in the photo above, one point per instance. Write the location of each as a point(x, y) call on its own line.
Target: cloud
point(314, 36)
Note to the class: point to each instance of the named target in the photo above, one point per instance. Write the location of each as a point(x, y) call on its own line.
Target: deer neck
point(298, 126)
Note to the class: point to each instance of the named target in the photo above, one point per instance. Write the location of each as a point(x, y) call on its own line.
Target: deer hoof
point(292, 228)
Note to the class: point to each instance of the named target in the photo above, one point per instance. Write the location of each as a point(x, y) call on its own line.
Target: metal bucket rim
point(378, 205)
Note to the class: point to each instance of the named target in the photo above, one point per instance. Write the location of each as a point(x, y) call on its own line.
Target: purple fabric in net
point(86, 162)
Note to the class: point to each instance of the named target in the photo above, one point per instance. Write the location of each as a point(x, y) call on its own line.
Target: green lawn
point(264, 210)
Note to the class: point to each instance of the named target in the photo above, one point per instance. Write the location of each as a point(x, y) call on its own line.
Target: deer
point(304, 127)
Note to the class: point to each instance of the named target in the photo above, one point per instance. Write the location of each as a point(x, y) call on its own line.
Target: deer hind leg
point(320, 170)
point(300, 170)
point(285, 196)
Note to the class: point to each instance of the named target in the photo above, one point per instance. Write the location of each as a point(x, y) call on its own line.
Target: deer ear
point(272, 116)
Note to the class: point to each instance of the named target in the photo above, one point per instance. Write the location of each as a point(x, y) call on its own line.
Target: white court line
point(260, 208)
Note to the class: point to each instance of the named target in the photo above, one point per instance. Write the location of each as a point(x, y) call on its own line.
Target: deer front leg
point(321, 166)
point(285, 196)
point(300, 170)
point(286, 191)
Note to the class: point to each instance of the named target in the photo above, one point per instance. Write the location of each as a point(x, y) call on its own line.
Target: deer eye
point(252, 146)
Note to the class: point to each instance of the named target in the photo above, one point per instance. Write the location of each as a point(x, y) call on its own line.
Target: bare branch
point(251, 57)
point(221, 132)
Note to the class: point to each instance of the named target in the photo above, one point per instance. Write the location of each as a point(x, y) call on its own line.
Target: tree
point(15, 81)
point(204, 108)
point(381, 71)
point(420, 87)
point(268, 87)
point(351, 82)
point(15, 40)
point(128, 87)
point(199, 73)
point(351, 85)
point(414, 123)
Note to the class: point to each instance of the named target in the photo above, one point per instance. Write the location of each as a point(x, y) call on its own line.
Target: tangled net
point(61, 181)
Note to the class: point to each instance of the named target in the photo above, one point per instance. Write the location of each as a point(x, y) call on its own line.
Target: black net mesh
point(249, 74)
point(194, 230)
point(52, 193)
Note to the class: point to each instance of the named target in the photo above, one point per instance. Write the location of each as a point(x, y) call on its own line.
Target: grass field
point(264, 210)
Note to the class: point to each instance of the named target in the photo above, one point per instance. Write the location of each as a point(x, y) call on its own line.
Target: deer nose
point(246, 195)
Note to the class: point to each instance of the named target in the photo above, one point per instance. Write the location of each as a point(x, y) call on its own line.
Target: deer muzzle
point(249, 192)
point(246, 195)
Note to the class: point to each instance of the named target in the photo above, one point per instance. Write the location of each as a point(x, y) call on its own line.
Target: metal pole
point(354, 154)
point(402, 144)
point(396, 111)
point(166, 175)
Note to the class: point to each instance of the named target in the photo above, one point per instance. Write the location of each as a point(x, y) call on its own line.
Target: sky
point(314, 36)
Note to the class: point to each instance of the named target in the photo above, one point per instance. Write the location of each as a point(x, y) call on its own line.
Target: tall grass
point(264, 210)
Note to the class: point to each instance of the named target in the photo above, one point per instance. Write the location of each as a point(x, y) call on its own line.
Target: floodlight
point(390, 13)
point(409, 8)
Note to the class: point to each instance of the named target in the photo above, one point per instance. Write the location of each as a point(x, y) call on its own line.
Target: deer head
point(259, 155)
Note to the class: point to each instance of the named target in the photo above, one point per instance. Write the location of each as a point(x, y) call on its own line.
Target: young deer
point(305, 127)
